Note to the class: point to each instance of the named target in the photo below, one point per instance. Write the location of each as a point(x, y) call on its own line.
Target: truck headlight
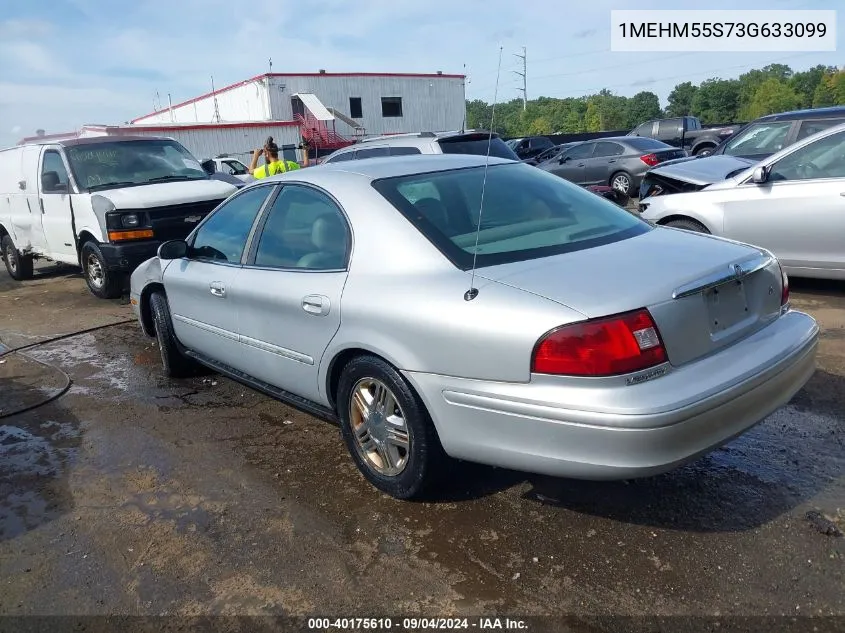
point(129, 220)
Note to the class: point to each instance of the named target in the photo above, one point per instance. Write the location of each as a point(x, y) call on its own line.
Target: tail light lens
point(784, 292)
point(608, 346)
point(650, 159)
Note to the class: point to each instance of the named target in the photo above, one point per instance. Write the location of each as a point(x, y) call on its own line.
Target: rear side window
point(604, 148)
point(339, 157)
point(372, 152)
point(528, 213)
point(808, 128)
point(404, 151)
point(477, 144)
point(649, 144)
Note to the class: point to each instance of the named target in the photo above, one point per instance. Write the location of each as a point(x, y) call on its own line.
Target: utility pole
point(524, 75)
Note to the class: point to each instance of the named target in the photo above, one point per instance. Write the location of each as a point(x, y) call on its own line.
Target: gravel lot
point(135, 494)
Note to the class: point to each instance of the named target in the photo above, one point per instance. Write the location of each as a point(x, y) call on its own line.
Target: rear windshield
point(528, 213)
point(641, 142)
point(477, 144)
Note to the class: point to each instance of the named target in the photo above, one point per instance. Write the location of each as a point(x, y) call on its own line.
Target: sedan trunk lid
point(698, 298)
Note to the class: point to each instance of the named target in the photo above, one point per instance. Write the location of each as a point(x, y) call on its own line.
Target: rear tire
point(689, 225)
point(102, 282)
point(621, 181)
point(173, 362)
point(20, 267)
point(387, 429)
point(703, 151)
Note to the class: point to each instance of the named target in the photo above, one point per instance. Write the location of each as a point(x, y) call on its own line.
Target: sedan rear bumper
point(653, 426)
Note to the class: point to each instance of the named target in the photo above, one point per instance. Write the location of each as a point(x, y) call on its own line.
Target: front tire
point(102, 282)
point(173, 362)
point(621, 181)
point(20, 267)
point(387, 429)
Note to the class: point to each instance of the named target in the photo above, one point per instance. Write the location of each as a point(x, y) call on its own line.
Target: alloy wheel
point(96, 274)
point(379, 427)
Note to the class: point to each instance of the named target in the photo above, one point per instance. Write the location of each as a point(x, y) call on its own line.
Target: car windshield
point(759, 138)
point(129, 163)
point(528, 213)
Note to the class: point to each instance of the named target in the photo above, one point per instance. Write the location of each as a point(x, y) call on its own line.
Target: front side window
point(760, 138)
point(580, 151)
point(824, 158)
point(222, 237)
point(53, 173)
point(304, 230)
point(339, 157)
point(113, 164)
point(528, 213)
point(237, 168)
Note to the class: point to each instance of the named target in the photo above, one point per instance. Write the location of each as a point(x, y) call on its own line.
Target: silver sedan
point(792, 203)
point(437, 308)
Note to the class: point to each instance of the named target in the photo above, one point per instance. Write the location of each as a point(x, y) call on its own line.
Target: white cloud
point(16, 130)
point(31, 58)
point(24, 29)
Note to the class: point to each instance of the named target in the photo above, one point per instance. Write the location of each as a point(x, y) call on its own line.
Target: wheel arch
point(703, 144)
point(682, 216)
point(145, 309)
point(85, 236)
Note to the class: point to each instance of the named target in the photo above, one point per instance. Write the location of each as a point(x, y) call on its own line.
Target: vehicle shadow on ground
point(818, 287)
point(775, 467)
point(35, 448)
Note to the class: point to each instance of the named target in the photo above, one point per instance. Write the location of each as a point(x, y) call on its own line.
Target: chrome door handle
point(217, 289)
point(316, 304)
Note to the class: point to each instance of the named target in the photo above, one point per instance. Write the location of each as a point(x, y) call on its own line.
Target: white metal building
point(349, 104)
point(327, 110)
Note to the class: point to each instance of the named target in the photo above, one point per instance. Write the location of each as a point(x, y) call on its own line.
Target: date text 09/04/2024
point(417, 624)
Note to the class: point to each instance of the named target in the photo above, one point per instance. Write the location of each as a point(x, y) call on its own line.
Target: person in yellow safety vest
point(273, 165)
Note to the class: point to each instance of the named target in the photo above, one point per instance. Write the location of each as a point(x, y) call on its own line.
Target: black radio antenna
point(472, 293)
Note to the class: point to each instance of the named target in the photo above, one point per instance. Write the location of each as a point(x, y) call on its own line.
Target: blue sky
point(65, 63)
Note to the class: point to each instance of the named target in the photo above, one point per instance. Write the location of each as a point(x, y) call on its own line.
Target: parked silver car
point(587, 344)
point(792, 203)
point(617, 161)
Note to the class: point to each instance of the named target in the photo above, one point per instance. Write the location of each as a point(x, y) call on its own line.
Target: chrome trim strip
point(275, 349)
point(734, 272)
point(208, 328)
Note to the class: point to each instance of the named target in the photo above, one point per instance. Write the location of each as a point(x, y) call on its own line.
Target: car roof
point(810, 113)
point(94, 140)
point(391, 166)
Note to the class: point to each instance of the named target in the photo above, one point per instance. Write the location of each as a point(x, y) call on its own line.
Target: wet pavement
point(135, 494)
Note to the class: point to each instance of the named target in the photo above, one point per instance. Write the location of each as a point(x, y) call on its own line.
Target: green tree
point(680, 99)
point(771, 96)
point(717, 101)
point(642, 107)
point(592, 117)
point(806, 83)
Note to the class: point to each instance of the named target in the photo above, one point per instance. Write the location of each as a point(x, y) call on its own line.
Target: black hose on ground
point(68, 380)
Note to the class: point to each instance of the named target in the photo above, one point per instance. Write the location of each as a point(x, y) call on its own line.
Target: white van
point(103, 203)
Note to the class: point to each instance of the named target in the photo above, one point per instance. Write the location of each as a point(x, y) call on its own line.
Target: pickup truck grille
point(175, 221)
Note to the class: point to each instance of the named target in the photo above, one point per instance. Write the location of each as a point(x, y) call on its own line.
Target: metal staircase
point(316, 123)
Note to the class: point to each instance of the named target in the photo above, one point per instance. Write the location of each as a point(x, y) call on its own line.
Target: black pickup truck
point(685, 132)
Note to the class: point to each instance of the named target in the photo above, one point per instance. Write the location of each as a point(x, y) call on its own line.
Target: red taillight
point(784, 291)
point(602, 347)
point(650, 160)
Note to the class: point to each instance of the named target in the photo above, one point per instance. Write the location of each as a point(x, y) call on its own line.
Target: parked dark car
point(685, 132)
point(617, 161)
point(550, 153)
point(766, 136)
point(530, 146)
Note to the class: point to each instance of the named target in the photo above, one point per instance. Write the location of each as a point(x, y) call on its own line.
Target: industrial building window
point(355, 109)
point(391, 106)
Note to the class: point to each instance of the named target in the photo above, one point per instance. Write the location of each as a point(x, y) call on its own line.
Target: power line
point(524, 74)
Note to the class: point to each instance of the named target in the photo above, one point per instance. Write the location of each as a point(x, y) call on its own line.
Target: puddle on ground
point(32, 465)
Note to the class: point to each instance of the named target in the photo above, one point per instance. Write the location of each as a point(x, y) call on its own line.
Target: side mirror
point(759, 175)
point(173, 249)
